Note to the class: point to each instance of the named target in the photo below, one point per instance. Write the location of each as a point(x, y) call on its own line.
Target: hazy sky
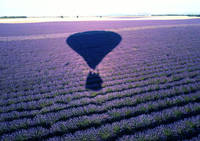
point(96, 7)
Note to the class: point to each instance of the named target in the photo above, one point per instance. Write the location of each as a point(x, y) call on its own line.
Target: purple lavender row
point(142, 122)
point(113, 100)
point(145, 89)
point(137, 85)
point(149, 88)
point(112, 97)
point(138, 74)
point(99, 101)
point(115, 114)
point(29, 72)
point(121, 77)
point(128, 80)
point(178, 130)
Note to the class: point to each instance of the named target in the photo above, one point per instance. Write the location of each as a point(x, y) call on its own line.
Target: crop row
point(21, 106)
point(180, 130)
point(48, 89)
point(49, 80)
point(129, 126)
point(114, 100)
point(64, 83)
point(142, 82)
point(128, 66)
point(101, 118)
point(110, 101)
point(98, 130)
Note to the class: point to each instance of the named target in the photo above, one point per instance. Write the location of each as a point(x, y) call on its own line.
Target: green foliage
point(99, 100)
point(44, 104)
point(109, 90)
point(178, 113)
point(137, 85)
point(128, 112)
point(94, 94)
point(187, 99)
point(105, 135)
point(128, 102)
point(63, 127)
point(167, 132)
point(142, 78)
point(185, 90)
point(65, 83)
point(84, 123)
point(143, 109)
point(189, 124)
point(176, 78)
point(115, 115)
point(116, 129)
point(21, 137)
point(68, 99)
point(92, 110)
point(130, 86)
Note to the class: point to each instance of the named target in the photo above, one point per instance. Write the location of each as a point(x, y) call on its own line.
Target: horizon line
point(109, 15)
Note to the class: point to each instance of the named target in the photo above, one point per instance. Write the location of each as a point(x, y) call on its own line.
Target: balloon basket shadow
point(94, 81)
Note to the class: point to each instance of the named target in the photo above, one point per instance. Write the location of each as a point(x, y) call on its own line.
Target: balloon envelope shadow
point(93, 46)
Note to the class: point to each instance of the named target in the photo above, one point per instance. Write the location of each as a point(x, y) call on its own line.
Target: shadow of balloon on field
point(94, 81)
point(93, 46)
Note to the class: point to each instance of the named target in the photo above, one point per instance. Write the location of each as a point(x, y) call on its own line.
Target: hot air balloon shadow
point(93, 46)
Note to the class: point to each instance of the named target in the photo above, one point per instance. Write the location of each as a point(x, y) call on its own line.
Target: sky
point(96, 7)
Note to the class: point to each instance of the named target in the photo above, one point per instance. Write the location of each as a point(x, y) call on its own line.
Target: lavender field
point(100, 80)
